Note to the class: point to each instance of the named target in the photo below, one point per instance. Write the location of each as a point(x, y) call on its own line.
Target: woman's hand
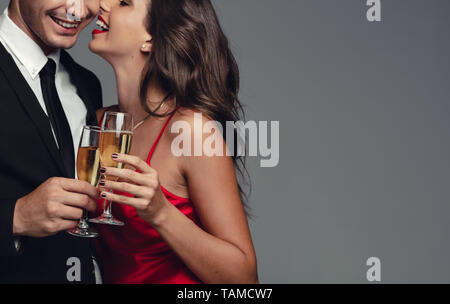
point(144, 185)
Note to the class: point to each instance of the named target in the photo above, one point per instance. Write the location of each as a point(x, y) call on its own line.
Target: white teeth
point(102, 25)
point(65, 24)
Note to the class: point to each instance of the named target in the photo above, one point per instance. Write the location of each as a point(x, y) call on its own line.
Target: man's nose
point(76, 9)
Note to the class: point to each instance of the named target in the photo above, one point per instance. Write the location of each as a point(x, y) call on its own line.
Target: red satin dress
point(136, 253)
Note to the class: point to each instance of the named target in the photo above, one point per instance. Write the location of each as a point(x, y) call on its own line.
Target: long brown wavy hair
point(192, 62)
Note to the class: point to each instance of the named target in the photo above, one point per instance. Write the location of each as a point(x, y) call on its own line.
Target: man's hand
point(54, 206)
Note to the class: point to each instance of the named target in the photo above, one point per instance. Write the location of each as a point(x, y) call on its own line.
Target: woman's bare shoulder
point(191, 116)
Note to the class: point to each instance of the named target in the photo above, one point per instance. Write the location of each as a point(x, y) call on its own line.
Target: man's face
point(56, 24)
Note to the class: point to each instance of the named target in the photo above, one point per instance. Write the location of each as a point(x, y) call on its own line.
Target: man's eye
point(123, 3)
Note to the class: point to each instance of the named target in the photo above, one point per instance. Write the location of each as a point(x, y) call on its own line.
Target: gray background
point(365, 136)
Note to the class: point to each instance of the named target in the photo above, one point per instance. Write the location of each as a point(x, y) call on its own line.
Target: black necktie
point(57, 117)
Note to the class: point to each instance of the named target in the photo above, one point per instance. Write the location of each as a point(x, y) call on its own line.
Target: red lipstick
point(101, 30)
point(102, 20)
point(97, 31)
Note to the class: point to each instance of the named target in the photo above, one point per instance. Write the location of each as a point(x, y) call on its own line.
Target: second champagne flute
point(88, 167)
point(116, 136)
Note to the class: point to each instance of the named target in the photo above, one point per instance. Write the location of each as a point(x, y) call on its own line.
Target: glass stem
point(107, 212)
point(83, 221)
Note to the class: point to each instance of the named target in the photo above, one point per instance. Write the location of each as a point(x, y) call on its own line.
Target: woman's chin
point(95, 48)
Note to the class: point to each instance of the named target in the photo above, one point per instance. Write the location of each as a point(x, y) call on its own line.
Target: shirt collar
point(26, 51)
point(56, 55)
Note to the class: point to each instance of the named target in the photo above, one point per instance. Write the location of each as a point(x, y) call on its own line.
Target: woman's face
point(121, 29)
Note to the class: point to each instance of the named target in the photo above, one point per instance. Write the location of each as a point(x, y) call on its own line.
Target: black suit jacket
point(28, 157)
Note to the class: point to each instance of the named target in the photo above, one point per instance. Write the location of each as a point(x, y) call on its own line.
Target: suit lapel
point(82, 90)
point(30, 104)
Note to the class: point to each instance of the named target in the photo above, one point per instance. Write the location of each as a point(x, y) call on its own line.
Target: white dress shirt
point(30, 59)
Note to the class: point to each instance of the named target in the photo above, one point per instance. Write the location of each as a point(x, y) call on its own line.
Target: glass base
point(83, 232)
point(106, 221)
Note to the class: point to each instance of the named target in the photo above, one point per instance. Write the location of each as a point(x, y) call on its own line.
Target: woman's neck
point(128, 80)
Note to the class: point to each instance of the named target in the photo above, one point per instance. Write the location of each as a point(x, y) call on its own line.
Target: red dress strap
point(101, 120)
point(159, 137)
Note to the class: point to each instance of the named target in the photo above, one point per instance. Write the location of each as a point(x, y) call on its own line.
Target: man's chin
point(63, 43)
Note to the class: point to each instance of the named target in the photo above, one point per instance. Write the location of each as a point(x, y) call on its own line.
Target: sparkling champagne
point(88, 164)
point(114, 142)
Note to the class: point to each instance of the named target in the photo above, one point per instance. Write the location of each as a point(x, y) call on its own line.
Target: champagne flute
point(116, 136)
point(88, 169)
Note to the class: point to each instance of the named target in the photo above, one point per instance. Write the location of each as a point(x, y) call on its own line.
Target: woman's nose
point(104, 6)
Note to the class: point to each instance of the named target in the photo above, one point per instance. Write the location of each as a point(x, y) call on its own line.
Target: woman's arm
point(223, 254)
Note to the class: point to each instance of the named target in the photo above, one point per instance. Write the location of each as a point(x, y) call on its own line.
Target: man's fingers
point(79, 200)
point(69, 213)
point(66, 224)
point(77, 186)
point(57, 225)
point(92, 205)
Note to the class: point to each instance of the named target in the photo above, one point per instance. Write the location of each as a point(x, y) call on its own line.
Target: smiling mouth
point(102, 24)
point(69, 25)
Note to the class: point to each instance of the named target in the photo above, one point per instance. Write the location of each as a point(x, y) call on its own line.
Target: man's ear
point(147, 46)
